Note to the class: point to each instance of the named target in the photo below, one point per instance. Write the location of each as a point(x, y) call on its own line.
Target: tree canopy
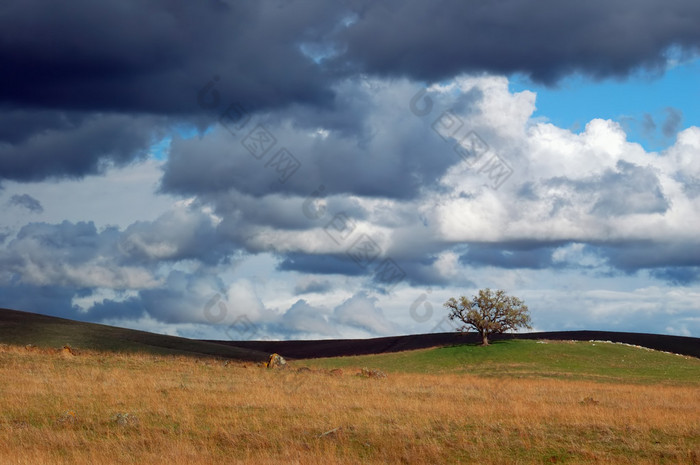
point(489, 313)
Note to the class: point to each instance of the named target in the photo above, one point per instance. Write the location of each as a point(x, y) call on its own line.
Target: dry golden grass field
point(110, 408)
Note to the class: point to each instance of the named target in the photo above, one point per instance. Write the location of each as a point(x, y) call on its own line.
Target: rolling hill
point(22, 328)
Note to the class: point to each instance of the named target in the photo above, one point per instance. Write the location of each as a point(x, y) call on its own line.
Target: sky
point(309, 169)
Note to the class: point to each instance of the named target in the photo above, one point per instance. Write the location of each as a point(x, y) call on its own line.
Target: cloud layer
point(326, 169)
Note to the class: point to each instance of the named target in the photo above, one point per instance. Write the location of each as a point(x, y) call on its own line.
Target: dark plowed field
point(343, 347)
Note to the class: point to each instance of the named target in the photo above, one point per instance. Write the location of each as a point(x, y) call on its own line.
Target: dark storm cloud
point(58, 145)
point(545, 39)
point(154, 56)
point(28, 202)
point(19, 125)
point(79, 76)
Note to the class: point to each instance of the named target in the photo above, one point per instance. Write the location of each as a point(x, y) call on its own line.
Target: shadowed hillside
point(22, 328)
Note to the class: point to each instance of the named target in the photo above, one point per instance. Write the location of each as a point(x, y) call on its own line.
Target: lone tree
point(489, 313)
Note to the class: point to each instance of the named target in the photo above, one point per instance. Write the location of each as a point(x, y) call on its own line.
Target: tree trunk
point(484, 337)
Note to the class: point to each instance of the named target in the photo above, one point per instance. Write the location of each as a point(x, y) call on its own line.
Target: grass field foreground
point(127, 409)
